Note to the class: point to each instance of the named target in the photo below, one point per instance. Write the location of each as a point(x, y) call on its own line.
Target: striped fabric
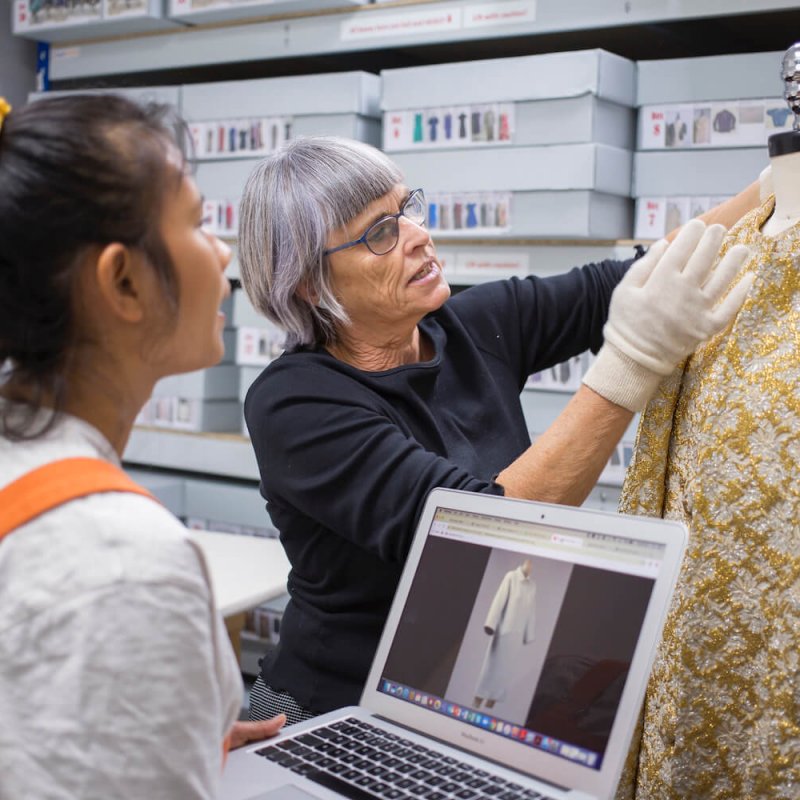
point(265, 702)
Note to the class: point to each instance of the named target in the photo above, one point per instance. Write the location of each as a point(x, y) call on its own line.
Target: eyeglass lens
point(383, 236)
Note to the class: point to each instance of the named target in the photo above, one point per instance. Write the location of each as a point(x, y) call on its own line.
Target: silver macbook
point(513, 663)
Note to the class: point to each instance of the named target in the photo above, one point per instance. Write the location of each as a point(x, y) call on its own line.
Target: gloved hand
point(666, 305)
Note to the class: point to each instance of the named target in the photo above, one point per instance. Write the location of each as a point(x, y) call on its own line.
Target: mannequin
point(718, 449)
point(784, 153)
point(510, 624)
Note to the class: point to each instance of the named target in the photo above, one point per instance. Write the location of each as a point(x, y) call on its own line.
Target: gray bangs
point(292, 202)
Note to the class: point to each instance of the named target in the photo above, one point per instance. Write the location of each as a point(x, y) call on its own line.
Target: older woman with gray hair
point(389, 386)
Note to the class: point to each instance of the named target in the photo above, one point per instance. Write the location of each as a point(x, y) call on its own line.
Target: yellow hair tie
point(5, 110)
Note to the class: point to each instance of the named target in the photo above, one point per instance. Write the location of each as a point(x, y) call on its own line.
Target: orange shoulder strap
point(57, 483)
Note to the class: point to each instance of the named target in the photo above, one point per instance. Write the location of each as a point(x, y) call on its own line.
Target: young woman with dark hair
point(116, 675)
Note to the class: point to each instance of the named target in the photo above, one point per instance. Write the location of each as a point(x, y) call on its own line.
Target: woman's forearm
point(564, 463)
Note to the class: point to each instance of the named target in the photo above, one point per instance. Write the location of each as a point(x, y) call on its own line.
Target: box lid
point(332, 93)
point(730, 77)
point(538, 77)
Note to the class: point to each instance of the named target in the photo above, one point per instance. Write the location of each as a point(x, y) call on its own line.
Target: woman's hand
point(668, 304)
point(244, 732)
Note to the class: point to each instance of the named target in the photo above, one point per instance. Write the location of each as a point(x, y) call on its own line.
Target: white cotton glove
point(666, 305)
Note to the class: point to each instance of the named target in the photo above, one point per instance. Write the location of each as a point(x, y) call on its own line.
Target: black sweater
point(347, 458)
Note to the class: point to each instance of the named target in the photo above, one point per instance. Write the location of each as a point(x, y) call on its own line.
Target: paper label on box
point(125, 8)
point(752, 125)
point(650, 217)
point(513, 12)
point(412, 23)
point(725, 124)
point(777, 117)
point(698, 206)
point(678, 127)
point(433, 128)
point(651, 124)
point(22, 17)
point(397, 130)
point(257, 347)
point(65, 52)
point(676, 213)
point(701, 126)
point(447, 260)
point(493, 263)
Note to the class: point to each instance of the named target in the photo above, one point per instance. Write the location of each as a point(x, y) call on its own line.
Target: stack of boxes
point(702, 133)
point(233, 125)
point(534, 147)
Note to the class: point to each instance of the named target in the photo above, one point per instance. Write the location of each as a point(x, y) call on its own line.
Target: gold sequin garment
point(719, 449)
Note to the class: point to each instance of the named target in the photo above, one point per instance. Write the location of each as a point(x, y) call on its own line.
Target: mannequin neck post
point(784, 151)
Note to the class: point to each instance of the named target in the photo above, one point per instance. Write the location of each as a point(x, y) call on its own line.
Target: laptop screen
point(523, 630)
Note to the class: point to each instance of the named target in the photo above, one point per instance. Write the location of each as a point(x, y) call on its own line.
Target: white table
point(245, 570)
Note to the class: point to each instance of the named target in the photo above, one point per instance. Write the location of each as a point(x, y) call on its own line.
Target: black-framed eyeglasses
point(382, 236)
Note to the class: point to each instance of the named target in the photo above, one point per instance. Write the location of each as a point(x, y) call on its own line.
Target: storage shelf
point(227, 455)
point(378, 27)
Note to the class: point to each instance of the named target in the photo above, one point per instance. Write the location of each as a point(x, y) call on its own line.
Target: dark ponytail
point(75, 172)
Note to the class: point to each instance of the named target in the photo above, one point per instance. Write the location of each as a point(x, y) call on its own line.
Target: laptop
point(513, 663)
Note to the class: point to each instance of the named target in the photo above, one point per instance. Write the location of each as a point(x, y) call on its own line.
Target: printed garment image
point(498, 671)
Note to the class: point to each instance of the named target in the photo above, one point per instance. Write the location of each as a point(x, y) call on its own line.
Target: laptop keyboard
point(362, 762)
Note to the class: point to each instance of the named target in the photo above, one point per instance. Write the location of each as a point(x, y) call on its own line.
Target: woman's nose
point(415, 232)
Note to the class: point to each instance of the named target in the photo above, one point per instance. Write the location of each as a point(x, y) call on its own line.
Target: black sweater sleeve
point(538, 322)
point(349, 461)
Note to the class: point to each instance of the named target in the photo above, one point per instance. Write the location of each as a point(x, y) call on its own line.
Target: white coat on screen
point(510, 622)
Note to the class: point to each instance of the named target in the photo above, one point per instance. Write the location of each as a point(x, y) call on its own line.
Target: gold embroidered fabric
point(719, 449)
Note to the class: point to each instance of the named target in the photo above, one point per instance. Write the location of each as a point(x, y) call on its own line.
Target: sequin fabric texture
point(718, 448)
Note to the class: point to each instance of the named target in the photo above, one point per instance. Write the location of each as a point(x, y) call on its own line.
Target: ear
point(121, 281)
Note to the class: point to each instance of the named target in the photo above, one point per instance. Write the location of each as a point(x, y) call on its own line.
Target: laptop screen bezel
point(519, 756)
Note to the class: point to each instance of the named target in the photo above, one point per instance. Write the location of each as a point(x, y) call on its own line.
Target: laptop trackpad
point(288, 792)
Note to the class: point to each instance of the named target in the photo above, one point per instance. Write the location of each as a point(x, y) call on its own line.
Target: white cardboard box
point(538, 77)
point(214, 383)
point(657, 216)
point(247, 376)
point(728, 77)
point(559, 215)
point(712, 124)
point(181, 414)
point(570, 167)
point(222, 179)
point(568, 120)
point(218, 500)
point(257, 347)
point(296, 95)
point(696, 172)
point(243, 315)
